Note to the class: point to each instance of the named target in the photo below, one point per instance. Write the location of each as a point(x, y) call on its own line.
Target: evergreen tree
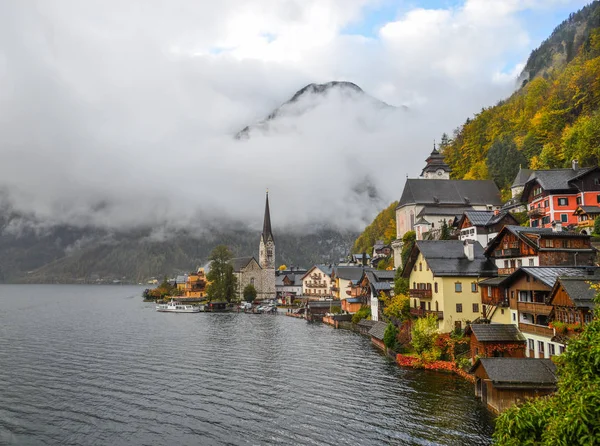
point(222, 280)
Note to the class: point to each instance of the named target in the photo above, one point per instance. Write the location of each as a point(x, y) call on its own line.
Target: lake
point(94, 365)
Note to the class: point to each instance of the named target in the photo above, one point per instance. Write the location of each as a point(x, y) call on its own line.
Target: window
point(514, 317)
point(578, 200)
point(459, 308)
point(531, 345)
point(415, 266)
point(531, 262)
point(428, 306)
point(546, 203)
point(420, 266)
point(252, 281)
point(458, 287)
point(541, 347)
point(527, 278)
point(506, 264)
point(561, 349)
point(435, 287)
point(426, 266)
point(536, 223)
point(565, 243)
point(414, 285)
point(512, 294)
point(537, 191)
point(563, 201)
point(519, 263)
point(564, 218)
point(475, 308)
point(596, 181)
point(474, 287)
point(598, 198)
point(551, 349)
point(545, 220)
point(489, 290)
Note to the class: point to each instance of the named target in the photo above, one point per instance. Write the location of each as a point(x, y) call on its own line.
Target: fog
point(121, 114)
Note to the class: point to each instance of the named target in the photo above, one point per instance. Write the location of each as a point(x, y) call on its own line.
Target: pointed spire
point(434, 152)
point(267, 222)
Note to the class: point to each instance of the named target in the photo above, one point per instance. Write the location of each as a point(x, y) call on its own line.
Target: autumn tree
point(223, 282)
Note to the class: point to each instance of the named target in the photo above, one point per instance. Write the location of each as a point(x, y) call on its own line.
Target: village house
point(444, 280)
point(344, 278)
point(434, 198)
point(495, 340)
point(317, 283)
point(369, 288)
point(494, 301)
point(381, 251)
point(572, 300)
point(515, 203)
point(586, 215)
point(517, 246)
point(195, 284)
point(376, 333)
point(529, 291)
point(482, 226)
point(288, 285)
point(553, 195)
point(503, 382)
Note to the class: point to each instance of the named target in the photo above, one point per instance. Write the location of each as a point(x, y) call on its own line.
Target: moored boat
point(177, 307)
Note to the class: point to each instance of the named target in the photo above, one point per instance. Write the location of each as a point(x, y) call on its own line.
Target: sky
point(119, 114)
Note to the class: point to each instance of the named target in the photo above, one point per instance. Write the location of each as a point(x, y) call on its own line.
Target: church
point(433, 198)
point(259, 273)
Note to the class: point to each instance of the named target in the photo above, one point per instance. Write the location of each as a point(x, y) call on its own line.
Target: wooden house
point(365, 325)
point(482, 226)
point(496, 340)
point(585, 216)
point(376, 332)
point(572, 299)
point(502, 382)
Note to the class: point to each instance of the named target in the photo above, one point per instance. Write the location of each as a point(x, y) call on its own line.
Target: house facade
point(444, 278)
point(496, 341)
point(317, 283)
point(482, 226)
point(288, 285)
point(572, 300)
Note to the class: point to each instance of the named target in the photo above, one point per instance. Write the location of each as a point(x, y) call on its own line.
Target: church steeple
point(436, 167)
point(266, 233)
point(266, 252)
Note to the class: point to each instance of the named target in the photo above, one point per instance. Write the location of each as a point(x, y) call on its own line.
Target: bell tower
point(266, 257)
point(436, 167)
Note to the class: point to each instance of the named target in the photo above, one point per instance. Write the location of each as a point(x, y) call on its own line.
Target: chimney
point(575, 164)
point(496, 212)
point(469, 249)
point(556, 226)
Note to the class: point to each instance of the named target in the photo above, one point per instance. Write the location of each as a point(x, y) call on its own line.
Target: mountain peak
point(323, 88)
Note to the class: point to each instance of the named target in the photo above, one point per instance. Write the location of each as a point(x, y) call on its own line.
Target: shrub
point(389, 336)
point(363, 313)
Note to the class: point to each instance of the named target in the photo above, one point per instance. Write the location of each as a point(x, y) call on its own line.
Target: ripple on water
point(95, 365)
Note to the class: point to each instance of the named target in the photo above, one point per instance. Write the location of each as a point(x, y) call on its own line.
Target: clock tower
point(436, 167)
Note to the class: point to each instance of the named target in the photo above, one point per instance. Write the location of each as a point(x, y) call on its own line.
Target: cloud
point(119, 114)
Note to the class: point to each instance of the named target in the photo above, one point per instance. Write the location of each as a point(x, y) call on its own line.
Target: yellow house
point(444, 278)
point(344, 277)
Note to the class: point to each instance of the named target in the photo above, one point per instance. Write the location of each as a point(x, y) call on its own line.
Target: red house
point(554, 195)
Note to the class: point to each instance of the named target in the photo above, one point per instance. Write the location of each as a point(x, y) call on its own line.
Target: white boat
point(177, 307)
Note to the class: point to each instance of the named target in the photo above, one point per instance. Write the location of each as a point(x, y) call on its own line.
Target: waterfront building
point(195, 284)
point(554, 195)
point(444, 278)
point(369, 287)
point(517, 246)
point(343, 278)
point(376, 333)
point(288, 284)
point(503, 382)
point(317, 283)
point(495, 340)
point(434, 199)
point(572, 300)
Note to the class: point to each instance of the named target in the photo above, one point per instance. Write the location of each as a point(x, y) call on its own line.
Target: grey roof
point(377, 330)
point(450, 211)
point(325, 269)
point(580, 291)
point(435, 161)
point(352, 273)
point(291, 276)
point(267, 233)
point(523, 371)
point(450, 192)
point(492, 281)
point(181, 279)
point(240, 262)
point(590, 209)
point(557, 179)
point(379, 244)
point(486, 218)
point(548, 274)
point(366, 323)
point(497, 333)
point(521, 177)
point(521, 231)
point(422, 221)
point(380, 280)
point(447, 258)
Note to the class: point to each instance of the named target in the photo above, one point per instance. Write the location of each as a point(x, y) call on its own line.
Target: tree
point(570, 416)
point(249, 293)
point(424, 334)
point(445, 232)
point(503, 161)
point(408, 241)
point(221, 277)
point(398, 308)
point(389, 335)
point(597, 226)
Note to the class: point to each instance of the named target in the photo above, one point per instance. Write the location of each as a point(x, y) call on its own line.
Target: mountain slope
point(330, 98)
point(553, 119)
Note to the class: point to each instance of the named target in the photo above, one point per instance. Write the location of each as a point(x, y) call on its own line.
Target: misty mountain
point(34, 252)
point(332, 97)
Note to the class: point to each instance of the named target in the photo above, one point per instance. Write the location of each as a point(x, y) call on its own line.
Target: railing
point(536, 212)
point(506, 271)
point(534, 308)
point(509, 252)
point(316, 285)
point(541, 330)
point(498, 301)
point(585, 223)
point(420, 294)
point(419, 312)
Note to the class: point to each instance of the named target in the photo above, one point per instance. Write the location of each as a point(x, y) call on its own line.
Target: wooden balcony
point(538, 308)
point(508, 252)
point(540, 330)
point(506, 271)
point(585, 224)
point(419, 312)
point(536, 213)
point(420, 294)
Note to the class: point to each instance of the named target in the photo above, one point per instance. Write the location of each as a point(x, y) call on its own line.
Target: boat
point(177, 307)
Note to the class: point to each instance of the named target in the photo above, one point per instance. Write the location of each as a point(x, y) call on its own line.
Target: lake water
point(94, 365)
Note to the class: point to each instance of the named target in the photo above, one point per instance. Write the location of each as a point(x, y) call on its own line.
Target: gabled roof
point(352, 273)
point(448, 258)
point(556, 179)
point(526, 372)
point(325, 269)
point(449, 211)
point(366, 323)
point(546, 274)
point(579, 289)
point(379, 280)
point(485, 218)
point(587, 210)
point(450, 192)
point(377, 330)
point(241, 262)
point(497, 333)
point(521, 177)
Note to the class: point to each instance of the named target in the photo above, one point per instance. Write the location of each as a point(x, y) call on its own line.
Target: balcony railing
point(506, 271)
point(419, 294)
point(534, 308)
point(585, 224)
point(508, 252)
point(541, 330)
point(536, 212)
point(496, 301)
point(419, 312)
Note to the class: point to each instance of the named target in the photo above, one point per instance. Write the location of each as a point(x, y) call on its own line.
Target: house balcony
point(508, 252)
point(538, 308)
point(419, 312)
point(495, 301)
point(506, 271)
point(316, 285)
point(536, 213)
point(585, 224)
point(335, 288)
point(420, 294)
point(541, 330)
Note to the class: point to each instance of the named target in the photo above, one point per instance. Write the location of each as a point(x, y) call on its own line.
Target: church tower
point(266, 258)
point(436, 167)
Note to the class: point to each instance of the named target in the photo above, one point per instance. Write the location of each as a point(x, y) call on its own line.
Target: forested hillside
point(552, 119)
point(382, 228)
